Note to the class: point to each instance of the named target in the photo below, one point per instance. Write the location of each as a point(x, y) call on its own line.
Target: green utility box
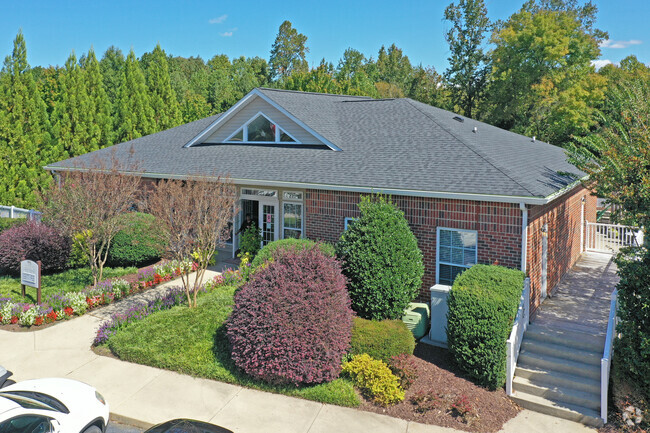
point(417, 316)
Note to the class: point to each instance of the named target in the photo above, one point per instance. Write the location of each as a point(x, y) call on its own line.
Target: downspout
point(582, 225)
point(524, 235)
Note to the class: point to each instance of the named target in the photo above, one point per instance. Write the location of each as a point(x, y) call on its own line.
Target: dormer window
point(261, 129)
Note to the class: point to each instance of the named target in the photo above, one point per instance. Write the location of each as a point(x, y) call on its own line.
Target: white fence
point(517, 335)
point(16, 212)
point(610, 238)
point(606, 361)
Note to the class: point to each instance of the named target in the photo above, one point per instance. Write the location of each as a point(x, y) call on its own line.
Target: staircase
point(558, 373)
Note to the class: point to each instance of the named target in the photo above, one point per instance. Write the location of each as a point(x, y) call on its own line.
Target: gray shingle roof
point(386, 144)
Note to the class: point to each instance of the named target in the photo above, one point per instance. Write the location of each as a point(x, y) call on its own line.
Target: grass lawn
point(193, 341)
point(71, 280)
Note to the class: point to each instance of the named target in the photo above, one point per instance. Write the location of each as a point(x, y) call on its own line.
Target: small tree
point(193, 217)
point(381, 260)
point(86, 204)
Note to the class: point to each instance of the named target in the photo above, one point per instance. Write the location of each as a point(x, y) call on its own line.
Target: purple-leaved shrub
point(291, 323)
point(33, 241)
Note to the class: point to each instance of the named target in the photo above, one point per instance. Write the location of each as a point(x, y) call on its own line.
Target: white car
point(52, 406)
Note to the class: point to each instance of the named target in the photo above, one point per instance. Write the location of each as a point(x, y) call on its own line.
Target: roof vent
point(533, 138)
point(459, 119)
point(475, 130)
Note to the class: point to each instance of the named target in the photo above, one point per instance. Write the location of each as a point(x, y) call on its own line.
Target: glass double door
point(264, 214)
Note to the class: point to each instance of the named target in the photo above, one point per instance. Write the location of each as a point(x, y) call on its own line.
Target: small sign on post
point(30, 275)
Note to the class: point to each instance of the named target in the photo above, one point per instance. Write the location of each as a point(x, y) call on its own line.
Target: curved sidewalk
point(143, 396)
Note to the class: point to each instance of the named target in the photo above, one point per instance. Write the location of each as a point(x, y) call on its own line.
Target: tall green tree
point(164, 103)
point(221, 91)
point(393, 67)
point(543, 83)
point(72, 117)
point(427, 86)
point(24, 131)
point(112, 69)
point(466, 76)
point(288, 52)
point(135, 117)
point(352, 74)
point(101, 129)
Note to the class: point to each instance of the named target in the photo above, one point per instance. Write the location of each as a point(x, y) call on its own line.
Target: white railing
point(606, 361)
point(17, 212)
point(513, 344)
point(610, 238)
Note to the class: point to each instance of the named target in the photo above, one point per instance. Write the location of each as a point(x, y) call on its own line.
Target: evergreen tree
point(112, 69)
point(135, 117)
point(72, 116)
point(288, 52)
point(24, 131)
point(167, 113)
point(221, 90)
point(468, 64)
point(394, 68)
point(101, 130)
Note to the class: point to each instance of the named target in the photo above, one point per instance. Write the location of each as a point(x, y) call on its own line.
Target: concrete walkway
point(143, 396)
point(581, 300)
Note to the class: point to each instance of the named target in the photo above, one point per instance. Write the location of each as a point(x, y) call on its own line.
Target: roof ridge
point(316, 93)
point(470, 147)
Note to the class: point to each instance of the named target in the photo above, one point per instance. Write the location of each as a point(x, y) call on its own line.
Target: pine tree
point(288, 52)
point(72, 115)
point(112, 69)
point(164, 103)
point(135, 116)
point(24, 131)
point(101, 131)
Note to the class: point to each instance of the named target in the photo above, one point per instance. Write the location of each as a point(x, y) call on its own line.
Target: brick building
point(472, 193)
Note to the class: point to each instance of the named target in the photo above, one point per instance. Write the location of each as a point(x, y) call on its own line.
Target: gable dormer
point(258, 120)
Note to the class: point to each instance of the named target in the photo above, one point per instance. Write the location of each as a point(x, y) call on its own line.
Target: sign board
point(30, 273)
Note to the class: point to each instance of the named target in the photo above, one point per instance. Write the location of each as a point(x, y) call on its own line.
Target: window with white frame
point(261, 129)
point(457, 250)
point(291, 220)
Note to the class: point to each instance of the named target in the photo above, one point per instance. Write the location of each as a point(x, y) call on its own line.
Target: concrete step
point(562, 351)
point(559, 394)
point(546, 362)
point(563, 336)
point(561, 410)
point(554, 378)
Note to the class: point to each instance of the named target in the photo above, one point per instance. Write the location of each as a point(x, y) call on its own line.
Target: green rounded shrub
point(381, 339)
point(381, 260)
point(375, 379)
point(291, 244)
point(138, 243)
point(483, 304)
point(250, 241)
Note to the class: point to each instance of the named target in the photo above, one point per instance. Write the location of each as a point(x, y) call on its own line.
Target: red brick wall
point(563, 217)
point(498, 225)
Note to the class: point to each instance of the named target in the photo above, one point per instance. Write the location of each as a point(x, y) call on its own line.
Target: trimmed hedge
point(381, 339)
point(291, 323)
point(291, 244)
point(33, 241)
point(381, 260)
point(483, 304)
point(137, 244)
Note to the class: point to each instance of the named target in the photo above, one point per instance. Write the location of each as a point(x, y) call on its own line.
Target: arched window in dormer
point(261, 129)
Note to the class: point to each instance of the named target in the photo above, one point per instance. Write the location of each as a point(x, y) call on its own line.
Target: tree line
point(531, 73)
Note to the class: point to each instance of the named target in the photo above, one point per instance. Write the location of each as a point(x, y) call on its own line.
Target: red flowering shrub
point(291, 323)
point(14, 320)
point(405, 368)
point(51, 317)
point(33, 241)
point(68, 311)
point(38, 321)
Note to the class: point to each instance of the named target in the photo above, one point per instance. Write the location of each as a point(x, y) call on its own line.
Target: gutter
point(525, 200)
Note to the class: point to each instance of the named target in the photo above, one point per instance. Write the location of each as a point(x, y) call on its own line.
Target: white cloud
point(229, 33)
point(600, 63)
point(218, 20)
point(610, 43)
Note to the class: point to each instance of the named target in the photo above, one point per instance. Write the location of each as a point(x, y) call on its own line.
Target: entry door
point(268, 222)
point(544, 259)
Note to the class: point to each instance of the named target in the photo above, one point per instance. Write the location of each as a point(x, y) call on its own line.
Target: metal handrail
point(608, 351)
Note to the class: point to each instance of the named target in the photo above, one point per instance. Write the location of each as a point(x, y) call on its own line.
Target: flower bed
point(62, 305)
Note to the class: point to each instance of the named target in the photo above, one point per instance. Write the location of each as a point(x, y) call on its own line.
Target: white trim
point(244, 129)
point(346, 221)
point(524, 236)
point(245, 101)
point(438, 262)
point(362, 189)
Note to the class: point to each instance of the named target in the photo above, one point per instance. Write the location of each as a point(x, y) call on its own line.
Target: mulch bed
point(622, 396)
point(437, 373)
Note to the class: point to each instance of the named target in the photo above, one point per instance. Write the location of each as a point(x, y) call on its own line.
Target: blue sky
point(185, 28)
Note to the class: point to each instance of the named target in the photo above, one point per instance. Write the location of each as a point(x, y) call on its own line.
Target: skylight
point(261, 129)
